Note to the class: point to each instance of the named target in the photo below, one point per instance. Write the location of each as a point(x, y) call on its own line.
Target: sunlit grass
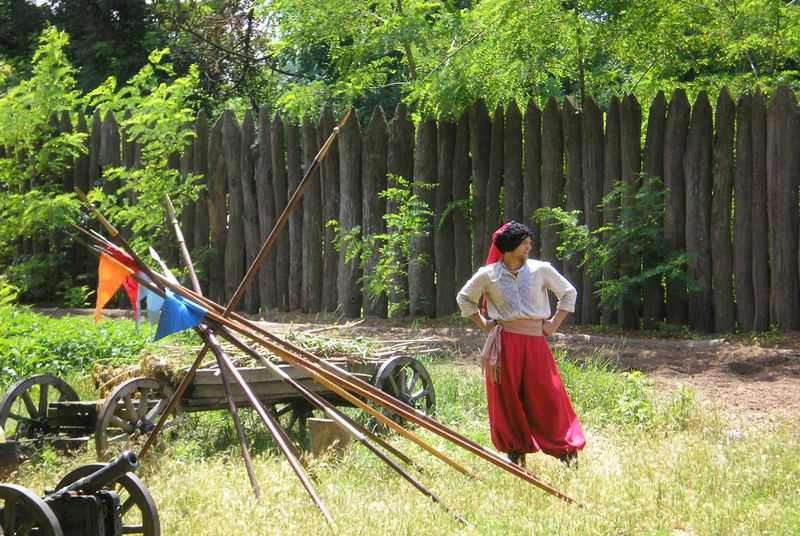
point(652, 465)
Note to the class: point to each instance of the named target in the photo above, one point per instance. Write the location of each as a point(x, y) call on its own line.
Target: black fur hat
point(512, 237)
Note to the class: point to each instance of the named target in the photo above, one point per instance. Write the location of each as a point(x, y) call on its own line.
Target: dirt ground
point(759, 385)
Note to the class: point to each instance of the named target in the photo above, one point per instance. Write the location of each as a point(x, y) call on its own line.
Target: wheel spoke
point(133, 529)
point(9, 513)
point(419, 394)
point(124, 425)
point(20, 418)
point(157, 410)
point(43, 392)
point(393, 386)
point(133, 415)
point(127, 505)
point(26, 398)
point(119, 438)
point(144, 399)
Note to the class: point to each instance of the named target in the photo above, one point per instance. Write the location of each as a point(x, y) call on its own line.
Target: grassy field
point(652, 465)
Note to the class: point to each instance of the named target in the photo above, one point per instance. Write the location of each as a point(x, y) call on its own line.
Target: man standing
point(529, 409)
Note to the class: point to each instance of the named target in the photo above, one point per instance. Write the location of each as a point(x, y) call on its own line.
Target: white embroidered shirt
point(523, 296)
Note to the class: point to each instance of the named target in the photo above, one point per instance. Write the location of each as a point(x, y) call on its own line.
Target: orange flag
point(111, 274)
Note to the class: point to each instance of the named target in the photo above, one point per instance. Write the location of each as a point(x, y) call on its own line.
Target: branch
point(456, 51)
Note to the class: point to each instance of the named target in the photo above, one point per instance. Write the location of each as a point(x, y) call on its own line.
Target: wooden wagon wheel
point(291, 413)
point(130, 413)
point(137, 508)
point(23, 513)
point(406, 379)
point(23, 410)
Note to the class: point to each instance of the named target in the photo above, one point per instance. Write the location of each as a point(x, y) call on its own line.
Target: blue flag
point(153, 303)
point(178, 314)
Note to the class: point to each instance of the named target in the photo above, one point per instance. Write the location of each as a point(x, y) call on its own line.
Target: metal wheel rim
point(24, 513)
point(123, 420)
point(134, 497)
point(28, 407)
point(406, 379)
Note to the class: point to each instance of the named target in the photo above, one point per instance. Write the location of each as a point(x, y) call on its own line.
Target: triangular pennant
point(111, 275)
point(131, 285)
point(152, 303)
point(178, 314)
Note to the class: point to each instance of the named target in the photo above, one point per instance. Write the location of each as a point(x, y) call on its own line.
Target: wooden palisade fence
point(746, 260)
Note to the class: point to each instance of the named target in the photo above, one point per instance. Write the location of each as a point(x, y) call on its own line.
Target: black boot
point(570, 459)
point(517, 458)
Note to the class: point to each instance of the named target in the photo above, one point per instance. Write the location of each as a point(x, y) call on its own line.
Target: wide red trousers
point(529, 410)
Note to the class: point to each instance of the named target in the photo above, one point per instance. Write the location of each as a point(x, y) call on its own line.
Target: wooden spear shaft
point(208, 337)
point(320, 370)
point(281, 439)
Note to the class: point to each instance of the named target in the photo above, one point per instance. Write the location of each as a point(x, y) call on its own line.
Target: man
point(529, 409)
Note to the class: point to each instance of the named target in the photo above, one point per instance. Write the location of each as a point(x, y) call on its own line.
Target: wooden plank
point(532, 172)
point(783, 180)
point(571, 126)
point(480, 144)
point(494, 218)
point(461, 176)
point(443, 228)
point(373, 209)
point(761, 271)
point(294, 173)
point(348, 285)
point(421, 289)
point(231, 140)
point(262, 177)
point(330, 209)
point(743, 217)
point(512, 164)
point(697, 164)
point(653, 164)
point(252, 233)
point(721, 206)
point(592, 171)
point(312, 223)
point(280, 189)
point(677, 126)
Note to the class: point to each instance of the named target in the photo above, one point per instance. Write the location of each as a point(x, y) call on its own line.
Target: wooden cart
point(46, 409)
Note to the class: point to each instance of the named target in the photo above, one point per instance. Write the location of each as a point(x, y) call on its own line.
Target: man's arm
point(551, 325)
point(481, 322)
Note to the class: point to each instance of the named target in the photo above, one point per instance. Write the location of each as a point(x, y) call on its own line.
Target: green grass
point(653, 465)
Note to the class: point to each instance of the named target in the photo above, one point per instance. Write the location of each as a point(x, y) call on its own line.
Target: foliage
point(35, 344)
point(159, 111)
point(634, 242)
point(392, 250)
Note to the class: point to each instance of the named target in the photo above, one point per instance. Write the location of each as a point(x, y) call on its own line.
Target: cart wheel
point(406, 379)
point(294, 412)
point(130, 413)
point(23, 410)
point(24, 513)
point(138, 509)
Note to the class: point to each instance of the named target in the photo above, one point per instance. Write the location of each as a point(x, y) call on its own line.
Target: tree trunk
point(312, 223)
point(512, 164)
point(721, 205)
point(330, 209)
point(532, 173)
point(783, 179)
point(480, 141)
point(252, 234)
point(421, 289)
point(675, 131)
point(761, 267)
point(349, 287)
point(445, 265)
point(743, 237)
point(592, 169)
point(653, 293)
point(375, 154)
point(462, 238)
point(571, 125)
point(697, 163)
point(280, 188)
